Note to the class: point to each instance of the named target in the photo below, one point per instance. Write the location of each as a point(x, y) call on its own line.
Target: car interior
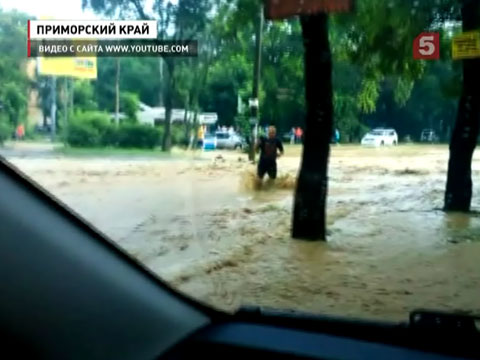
point(69, 293)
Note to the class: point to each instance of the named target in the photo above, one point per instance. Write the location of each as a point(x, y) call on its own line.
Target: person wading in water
point(270, 148)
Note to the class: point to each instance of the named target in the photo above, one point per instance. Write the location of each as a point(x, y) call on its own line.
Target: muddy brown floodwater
point(197, 223)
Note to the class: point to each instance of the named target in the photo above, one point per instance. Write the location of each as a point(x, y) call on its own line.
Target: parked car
point(380, 137)
point(286, 137)
point(428, 135)
point(209, 142)
point(227, 140)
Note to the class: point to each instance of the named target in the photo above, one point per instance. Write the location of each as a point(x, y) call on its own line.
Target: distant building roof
point(151, 115)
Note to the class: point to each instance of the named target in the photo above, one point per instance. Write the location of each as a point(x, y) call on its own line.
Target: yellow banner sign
point(81, 68)
point(76, 67)
point(466, 45)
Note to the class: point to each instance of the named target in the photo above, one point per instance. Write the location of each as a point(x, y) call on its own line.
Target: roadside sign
point(466, 45)
point(80, 68)
point(426, 46)
point(281, 9)
point(253, 102)
point(76, 67)
point(208, 118)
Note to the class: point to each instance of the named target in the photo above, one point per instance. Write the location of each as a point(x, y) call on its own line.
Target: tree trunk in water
point(186, 121)
point(117, 92)
point(195, 128)
point(458, 194)
point(311, 193)
point(168, 99)
point(167, 142)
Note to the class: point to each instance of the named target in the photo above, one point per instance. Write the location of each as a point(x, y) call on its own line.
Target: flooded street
point(196, 222)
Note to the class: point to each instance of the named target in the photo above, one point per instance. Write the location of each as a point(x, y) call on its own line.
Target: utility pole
point(117, 93)
point(253, 103)
point(53, 107)
point(65, 107)
point(72, 90)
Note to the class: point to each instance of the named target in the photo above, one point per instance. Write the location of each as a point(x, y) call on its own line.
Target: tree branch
point(139, 8)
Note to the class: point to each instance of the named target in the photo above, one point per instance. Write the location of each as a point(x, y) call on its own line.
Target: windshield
point(377, 133)
point(127, 133)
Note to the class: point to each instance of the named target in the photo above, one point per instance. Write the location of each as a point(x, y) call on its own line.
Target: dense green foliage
point(137, 136)
point(90, 129)
point(5, 130)
point(376, 80)
point(13, 79)
point(95, 129)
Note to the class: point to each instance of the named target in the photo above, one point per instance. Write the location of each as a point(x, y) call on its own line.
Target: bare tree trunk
point(254, 110)
point(160, 95)
point(117, 92)
point(311, 193)
point(53, 109)
point(167, 138)
point(458, 194)
point(193, 123)
point(186, 120)
point(65, 107)
point(167, 142)
point(72, 91)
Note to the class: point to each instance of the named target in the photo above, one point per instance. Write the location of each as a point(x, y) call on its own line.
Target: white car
point(227, 140)
point(380, 137)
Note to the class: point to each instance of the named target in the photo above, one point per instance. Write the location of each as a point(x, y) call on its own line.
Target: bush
point(177, 133)
point(84, 95)
point(129, 105)
point(88, 129)
point(82, 135)
point(31, 132)
point(99, 120)
point(109, 136)
point(138, 136)
point(5, 130)
point(94, 129)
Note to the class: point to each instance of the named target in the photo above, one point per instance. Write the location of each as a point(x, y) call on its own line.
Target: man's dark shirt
point(268, 149)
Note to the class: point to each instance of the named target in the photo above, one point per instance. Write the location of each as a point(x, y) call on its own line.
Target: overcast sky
point(56, 9)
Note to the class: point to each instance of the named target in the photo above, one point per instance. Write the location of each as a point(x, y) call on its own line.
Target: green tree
point(129, 105)
point(231, 69)
point(283, 101)
point(42, 85)
point(14, 83)
point(84, 96)
point(309, 212)
point(14, 102)
point(180, 21)
point(458, 193)
point(138, 75)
